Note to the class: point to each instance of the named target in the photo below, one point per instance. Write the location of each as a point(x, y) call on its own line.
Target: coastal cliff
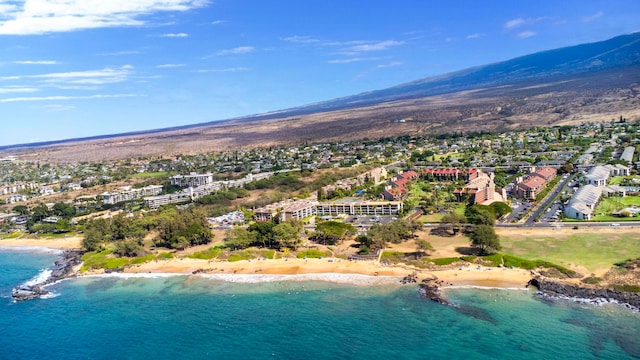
point(595, 295)
point(61, 269)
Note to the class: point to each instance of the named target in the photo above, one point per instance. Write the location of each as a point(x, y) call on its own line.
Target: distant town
point(586, 172)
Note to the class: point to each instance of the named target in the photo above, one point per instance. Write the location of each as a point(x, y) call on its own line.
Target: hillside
point(589, 82)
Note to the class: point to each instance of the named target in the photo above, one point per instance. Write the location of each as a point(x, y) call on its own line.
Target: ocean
point(180, 317)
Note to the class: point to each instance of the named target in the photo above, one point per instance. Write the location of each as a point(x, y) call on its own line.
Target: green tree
point(484, 237)
point(21, 209)
point(500, 208)
point(129, 248)
point(480, 215)
point(64, 210)
point(264, 232)
point(287, 235)
point(454, 220)
point(239, 238)
point(423, 246)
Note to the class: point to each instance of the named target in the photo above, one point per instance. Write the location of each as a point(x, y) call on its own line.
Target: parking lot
point(552, 213)
point(366, 221)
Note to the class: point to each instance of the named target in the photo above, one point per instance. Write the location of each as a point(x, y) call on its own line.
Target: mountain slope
point(553, 65)
point(590, 82)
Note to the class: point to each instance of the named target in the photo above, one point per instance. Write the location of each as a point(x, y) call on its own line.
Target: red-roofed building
point(448, 174)
point(531, 185)
point(480, 190)
point(409, 175)
point(394, 193)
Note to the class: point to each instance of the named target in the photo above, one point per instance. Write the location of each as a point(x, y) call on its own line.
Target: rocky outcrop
point(410, 279)
point(61, 269)
point(430, 289)
point(595, 295)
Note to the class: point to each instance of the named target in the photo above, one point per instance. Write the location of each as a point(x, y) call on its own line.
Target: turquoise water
point(196, 318)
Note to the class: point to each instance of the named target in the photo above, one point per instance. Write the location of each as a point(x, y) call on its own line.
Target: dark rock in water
point(22, 293)
point(410, 279)
point(593, 295)
point(477, 313)
point(61, 269)
point(430, 289)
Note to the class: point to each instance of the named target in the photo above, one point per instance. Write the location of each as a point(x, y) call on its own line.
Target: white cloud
point(234, 69)
point(595, 16)
point(90, 77)
point(57, 107)
point(167, 66)
point(515, 23)
point(121, 53)
point(175, 35)
point(236, 51)
point(374, 46)
point(391, 64)
point(526, 34)
point(218, 22)
point(65, 98)
point(36, 62)
point(32, 17)
point(519, 22)
point(474, 36)
point(352, 60)
point(16, 89)
point(301, 39)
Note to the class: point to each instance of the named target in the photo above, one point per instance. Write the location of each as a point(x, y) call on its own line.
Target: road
point(570, 225)
point(547, 201)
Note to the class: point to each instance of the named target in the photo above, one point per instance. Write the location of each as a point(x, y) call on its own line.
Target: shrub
point(238, 256)
point(164, 255)
point(311, 253)
point(444, 261)
point(627, 288)
point(142, 259)
point(591, 280)
point(208, 254)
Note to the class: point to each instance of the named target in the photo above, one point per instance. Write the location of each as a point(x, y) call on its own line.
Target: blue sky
point(75, 68)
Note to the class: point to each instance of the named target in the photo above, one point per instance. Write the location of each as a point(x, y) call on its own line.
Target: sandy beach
point(325, 269)
point(465, 276)
point(72, 242)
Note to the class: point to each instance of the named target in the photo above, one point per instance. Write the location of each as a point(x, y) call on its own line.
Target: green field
point(436, 218)
point(592, 250)
point(151, 175)
point(608, 205)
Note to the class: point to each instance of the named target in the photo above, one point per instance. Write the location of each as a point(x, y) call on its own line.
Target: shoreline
point(432, 284)
point(293, 267)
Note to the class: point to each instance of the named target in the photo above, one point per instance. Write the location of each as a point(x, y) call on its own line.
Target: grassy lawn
point(615, 180)
point(151, 175)
point(608, 205)
point(436, 218)
point(591, 249)
point(439, 157)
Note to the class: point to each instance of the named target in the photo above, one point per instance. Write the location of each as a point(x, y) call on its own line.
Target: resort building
point(583, 203)
point(359, 208)
point(192, 193)
point(14, 188)
point(154, 202)
point(627, 154)
point(300, 209)
point(599, 175)
point(449, 174)
point(396, 188)
point(128, 193)
point(480, 190)
point(192, 180)
point(529, 186)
